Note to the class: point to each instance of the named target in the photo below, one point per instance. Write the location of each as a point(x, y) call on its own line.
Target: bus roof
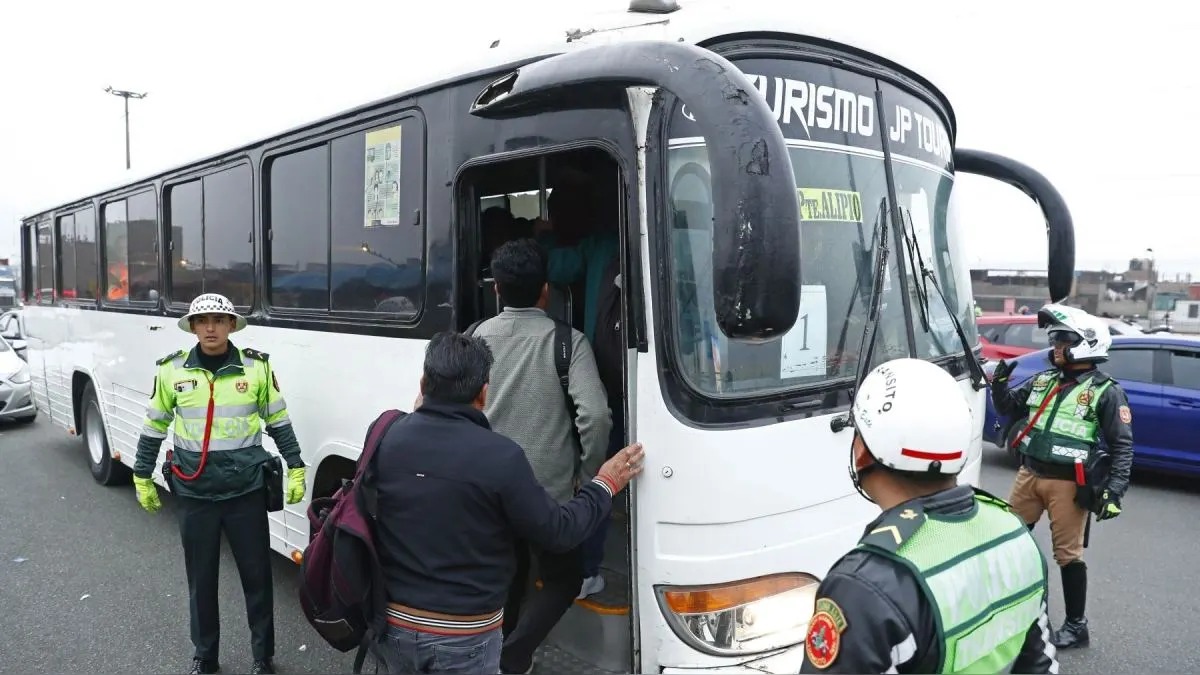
point(887, 42)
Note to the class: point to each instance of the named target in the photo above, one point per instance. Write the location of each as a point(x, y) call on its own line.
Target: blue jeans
point(409, 651)
point(593, 547)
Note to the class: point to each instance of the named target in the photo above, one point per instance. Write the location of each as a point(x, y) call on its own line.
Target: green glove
point(295, 486)
point(147, 494)
point(1110, 506)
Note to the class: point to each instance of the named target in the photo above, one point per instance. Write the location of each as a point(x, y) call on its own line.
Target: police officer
point(1071, 406)
point(947, 579)
point(215, 394)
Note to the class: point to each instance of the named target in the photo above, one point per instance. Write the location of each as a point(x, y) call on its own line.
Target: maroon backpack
point(342, 590)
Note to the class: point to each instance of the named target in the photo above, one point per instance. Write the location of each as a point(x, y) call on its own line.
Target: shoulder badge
point(255, 354)
point(895, 527)
point(168, 357)
point(825, 629)
point(1126, 416)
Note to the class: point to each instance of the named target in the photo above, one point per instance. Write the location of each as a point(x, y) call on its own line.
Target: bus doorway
point(571, 202)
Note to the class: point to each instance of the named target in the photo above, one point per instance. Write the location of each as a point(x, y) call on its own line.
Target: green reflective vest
point(1068, 428)
point(244, 394)
point(983, 575)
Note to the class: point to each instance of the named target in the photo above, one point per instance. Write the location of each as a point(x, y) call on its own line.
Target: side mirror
point(1060, 229)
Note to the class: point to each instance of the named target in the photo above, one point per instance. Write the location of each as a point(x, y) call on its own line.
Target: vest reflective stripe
point(243, 410)
point(984, 577)
point(1067, 430)
point(159, 415)
point(218, 444)
point(274, 407)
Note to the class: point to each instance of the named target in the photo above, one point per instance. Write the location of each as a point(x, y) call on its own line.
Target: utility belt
point(1089, 477)
point(272, 478)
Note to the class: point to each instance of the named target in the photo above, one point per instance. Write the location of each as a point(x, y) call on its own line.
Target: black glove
point(1001, 372)
point(1110, 505)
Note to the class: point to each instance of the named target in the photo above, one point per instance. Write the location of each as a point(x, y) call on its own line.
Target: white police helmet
point(211, 303)
point(912, 416)
point(1089, 335)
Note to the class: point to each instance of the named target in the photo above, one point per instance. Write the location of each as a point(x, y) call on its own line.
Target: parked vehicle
point(16, 388)
point(1161, 376)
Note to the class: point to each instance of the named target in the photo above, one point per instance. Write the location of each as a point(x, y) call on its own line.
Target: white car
point(16, 390)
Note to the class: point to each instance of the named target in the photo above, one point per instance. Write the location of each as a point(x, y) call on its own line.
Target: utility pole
point(126, 95)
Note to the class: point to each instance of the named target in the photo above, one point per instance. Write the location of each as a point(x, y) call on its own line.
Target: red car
point(1006, 336)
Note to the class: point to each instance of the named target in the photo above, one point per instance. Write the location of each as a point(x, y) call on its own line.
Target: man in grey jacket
point(526, 403)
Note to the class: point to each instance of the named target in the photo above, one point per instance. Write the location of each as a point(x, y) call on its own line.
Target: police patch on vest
point(242, 386)
point(825, 633)
point(1126, 416)
point(1040, 383)
point(1085, 397)
point(184, 386)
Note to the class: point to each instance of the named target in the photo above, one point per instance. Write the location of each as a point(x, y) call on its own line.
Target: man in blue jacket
point(453, 498)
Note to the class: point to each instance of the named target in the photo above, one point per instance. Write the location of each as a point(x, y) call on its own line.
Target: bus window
point(298, 218)
point(211, 222)
point(841, 185)
point(131, 249)
point(66, 256)
point(45, 263)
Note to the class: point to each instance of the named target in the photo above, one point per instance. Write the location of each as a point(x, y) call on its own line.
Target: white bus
point(779, 177)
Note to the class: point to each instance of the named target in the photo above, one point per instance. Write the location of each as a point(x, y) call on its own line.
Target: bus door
point(754, 248)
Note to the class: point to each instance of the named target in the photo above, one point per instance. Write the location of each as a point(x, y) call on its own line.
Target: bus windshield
point(831, 121)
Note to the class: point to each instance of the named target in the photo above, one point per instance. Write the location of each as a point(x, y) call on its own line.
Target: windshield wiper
point(925, 278)
point(867, 346)
point(861, 263)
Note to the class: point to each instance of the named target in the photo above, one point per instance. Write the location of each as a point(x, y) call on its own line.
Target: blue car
point(1161, 377)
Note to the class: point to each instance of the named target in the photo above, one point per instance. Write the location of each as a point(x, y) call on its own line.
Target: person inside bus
point(456, 501)
point(527, 404)
point(577, 215)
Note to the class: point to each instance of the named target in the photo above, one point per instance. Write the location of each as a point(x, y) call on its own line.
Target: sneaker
point(591, 586)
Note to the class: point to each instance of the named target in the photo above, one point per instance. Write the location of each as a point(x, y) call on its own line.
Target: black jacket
point(889, 622)
point(454, 497)
point(1115, 419)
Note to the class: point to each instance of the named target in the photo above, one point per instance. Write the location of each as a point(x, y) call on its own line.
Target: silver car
point(16, 389)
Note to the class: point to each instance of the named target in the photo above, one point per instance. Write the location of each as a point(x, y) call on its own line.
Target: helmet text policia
point(1088, 336)
point(913, 417)
point(211, 303)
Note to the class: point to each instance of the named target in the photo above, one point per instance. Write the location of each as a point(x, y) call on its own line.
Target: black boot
point(1074, 631)
point(262, 666)
point(204, 666)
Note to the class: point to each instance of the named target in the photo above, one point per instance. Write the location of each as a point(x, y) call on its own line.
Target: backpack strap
point(364, 476)
point(471, 329)
point(562, 357)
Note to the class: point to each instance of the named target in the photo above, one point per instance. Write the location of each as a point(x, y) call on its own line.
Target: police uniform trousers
point(243, 519)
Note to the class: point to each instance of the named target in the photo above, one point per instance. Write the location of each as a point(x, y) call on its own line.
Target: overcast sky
point(1104, 102)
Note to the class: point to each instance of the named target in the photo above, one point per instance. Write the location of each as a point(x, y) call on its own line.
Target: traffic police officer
point(1071, 406)
point(215, 394)
point(948, 579)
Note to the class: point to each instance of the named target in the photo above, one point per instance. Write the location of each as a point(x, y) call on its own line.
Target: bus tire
point(105, 469)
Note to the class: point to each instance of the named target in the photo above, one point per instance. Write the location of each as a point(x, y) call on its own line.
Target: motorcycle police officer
point(948, 579)
point(220, 472)
point(1071, 406)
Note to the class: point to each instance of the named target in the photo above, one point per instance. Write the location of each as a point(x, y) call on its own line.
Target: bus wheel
point(105, 469)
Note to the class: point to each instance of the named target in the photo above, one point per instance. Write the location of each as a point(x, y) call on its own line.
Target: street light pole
point(1151, 282)
point(126, 95)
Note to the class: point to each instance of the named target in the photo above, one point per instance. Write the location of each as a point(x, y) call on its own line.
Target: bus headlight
point(741, 617)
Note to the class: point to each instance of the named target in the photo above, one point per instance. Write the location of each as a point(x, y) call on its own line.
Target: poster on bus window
point(381, 194)
point(804, 349)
